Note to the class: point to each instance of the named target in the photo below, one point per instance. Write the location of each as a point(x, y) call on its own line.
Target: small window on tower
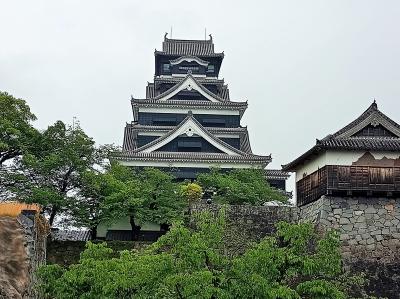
point(210, 68)
point(166, 67)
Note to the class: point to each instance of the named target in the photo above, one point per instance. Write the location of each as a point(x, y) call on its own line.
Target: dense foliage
point(240, 186)
point(51, 173)
point(17, 135)
point(148, 195)
point(192, 192)
point(185, 263)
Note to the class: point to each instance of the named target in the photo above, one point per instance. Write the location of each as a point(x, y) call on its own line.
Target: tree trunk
point(53, 213)
point(93, 232)
point(135, 229)
point(164, 227)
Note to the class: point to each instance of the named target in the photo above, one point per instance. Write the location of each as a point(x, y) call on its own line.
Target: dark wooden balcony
point(349, 180)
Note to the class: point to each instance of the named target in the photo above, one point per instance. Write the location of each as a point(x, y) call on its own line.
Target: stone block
point(352, 242)
point(360, 219)
point(344, 221)
point(376, 232)
point(395, 222)
point(348, 227)
point(381, 211)
point(337, 211)
point(360, 225)
point(358, 213)
point(370, 241)
point(370, 210)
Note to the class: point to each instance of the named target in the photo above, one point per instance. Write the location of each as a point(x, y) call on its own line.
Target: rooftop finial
point(210, 35)
point(374, 104)
point(165, 35)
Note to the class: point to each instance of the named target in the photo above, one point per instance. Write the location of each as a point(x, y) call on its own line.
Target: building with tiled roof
point(188, 122)
point(361, 159)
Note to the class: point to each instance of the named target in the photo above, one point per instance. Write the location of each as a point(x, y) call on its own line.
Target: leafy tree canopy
point(16, 132)
point(185, 263)
point(192, 192)
point(239, 186)
point(51, 174)
point(148, 195)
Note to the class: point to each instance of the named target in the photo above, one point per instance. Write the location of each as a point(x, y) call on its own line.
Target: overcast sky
point(307, 68)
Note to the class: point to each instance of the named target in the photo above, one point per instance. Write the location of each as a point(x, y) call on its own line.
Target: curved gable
point(190, 127)
point(188, 58)
point(189, 83)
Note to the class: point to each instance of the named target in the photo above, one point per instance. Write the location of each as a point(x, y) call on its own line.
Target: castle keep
point(187, 122)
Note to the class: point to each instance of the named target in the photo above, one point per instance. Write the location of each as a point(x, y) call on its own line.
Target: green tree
point(187, 263)
point(149, 195)
point(192, 192)
point(51, 174)
point(89, 211)
point(17, 135)
point(239, 186)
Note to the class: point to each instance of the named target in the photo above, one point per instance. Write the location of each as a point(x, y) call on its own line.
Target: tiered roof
point(188, 126)
point(131, 131)
point(372, 131)
point(212, 101)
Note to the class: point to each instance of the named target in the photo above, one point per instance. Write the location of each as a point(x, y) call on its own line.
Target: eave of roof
point(276, 174)
point(177, 54)
point(175, 80)
point(186, 103)
point(191, 157)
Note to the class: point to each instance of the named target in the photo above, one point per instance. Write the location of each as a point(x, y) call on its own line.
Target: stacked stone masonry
point(369, 228)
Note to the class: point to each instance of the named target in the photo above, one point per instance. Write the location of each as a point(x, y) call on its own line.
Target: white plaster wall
point(311, 166)
point(124, 224)
point(338, 158)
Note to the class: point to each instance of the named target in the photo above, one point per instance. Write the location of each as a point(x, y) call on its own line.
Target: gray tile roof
point(152, 88)
point(276, 174)
point(131, 131)
point(175, 80)
point(181, 47)
point(190, 117)
point(137, 154)
point(347, 138)
point(185, 104)
point(69, 235)
point(191, 157)
point(176, 86)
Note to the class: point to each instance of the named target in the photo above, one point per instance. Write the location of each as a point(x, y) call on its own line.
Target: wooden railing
point(366, 180)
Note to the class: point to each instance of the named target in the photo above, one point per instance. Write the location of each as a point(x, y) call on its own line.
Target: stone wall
point(247, 224)
point(369, 230)
point(22, 251)
point(66, 253)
